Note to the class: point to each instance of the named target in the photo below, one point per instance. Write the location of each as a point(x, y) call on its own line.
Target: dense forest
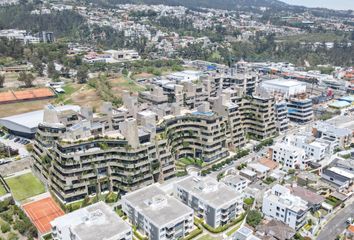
point(264, 48)
point(64, 23)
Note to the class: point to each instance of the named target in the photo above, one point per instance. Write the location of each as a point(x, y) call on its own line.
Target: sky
point(332, 4)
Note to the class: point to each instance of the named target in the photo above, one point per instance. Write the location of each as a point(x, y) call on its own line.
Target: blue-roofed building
point(349, 99)
point(339, 104)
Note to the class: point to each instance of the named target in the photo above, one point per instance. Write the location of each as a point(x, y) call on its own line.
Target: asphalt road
point(337, 225)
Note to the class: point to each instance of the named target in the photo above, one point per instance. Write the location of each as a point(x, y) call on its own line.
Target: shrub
point(254, 217)
point(4, 205)
point(5, 228)
point(194, 233)
point(7, 217)
point(12, 236)
point(248, 201)
point(224, 227)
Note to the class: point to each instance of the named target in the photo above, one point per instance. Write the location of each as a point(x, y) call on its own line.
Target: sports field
point(25, 186)
point(42, 212)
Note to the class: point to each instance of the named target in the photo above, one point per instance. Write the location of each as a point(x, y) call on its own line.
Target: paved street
point(337, 225)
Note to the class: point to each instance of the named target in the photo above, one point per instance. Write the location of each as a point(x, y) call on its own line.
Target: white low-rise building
point(284, 87)
point(236, 182)
point(327, 131)
point(97, 221)
point(280, 204)
point(215, 202)
point(314, 149)
point(289, 156)
point(124, 55)
point(157, 214)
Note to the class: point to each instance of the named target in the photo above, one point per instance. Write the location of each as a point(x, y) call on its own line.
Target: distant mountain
point(217, 4)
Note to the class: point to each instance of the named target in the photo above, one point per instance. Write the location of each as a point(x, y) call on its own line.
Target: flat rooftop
point(32, 119)
point(97, 221)
point(284, 83)
point(234, 179)
point(156, 205)
point(214, 193)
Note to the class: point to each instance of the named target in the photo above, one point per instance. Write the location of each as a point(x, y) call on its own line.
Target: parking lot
point(15, 142)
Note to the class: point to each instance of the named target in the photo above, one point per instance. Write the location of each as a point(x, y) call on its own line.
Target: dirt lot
point(86, 96)
point(77, 94)
point(22, 107)
point(143, 75)
point(122, 83)
point(11, 81)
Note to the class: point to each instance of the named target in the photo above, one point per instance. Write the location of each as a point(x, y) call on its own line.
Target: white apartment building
point(97, 221)
point(236, 182)
point(156, 214)
point(289, 156)
point(314, 149)
point(215, 202)
point(280, 204)
point(329, 132)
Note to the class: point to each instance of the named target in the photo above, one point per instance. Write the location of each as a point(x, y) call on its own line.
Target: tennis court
point(7, 97)
point(42, 212)
point(26, 95)
point(42, 93)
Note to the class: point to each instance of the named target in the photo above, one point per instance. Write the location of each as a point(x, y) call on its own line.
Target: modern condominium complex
point(259, 115)
point(78, 153)
point(213, 201)
point(79, 157)
point(158, 215)
point(280, 204)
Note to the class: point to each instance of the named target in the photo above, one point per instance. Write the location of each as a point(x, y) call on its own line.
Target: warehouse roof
point(30, 120)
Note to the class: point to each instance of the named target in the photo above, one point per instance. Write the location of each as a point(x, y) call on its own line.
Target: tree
point(51, 71)
point(254, 217)
point(5, 227)
point(26, 78)
point(2, 80)
point(82, 74)
point(38, 65)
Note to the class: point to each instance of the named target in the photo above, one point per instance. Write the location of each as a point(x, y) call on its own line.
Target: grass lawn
point(191, 161)
point(2, 190)
point(25, 186)
point(207, 237)
point(333, 201)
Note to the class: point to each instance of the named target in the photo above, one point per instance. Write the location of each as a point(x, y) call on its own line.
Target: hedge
point(194, 233)
point(224, 227)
